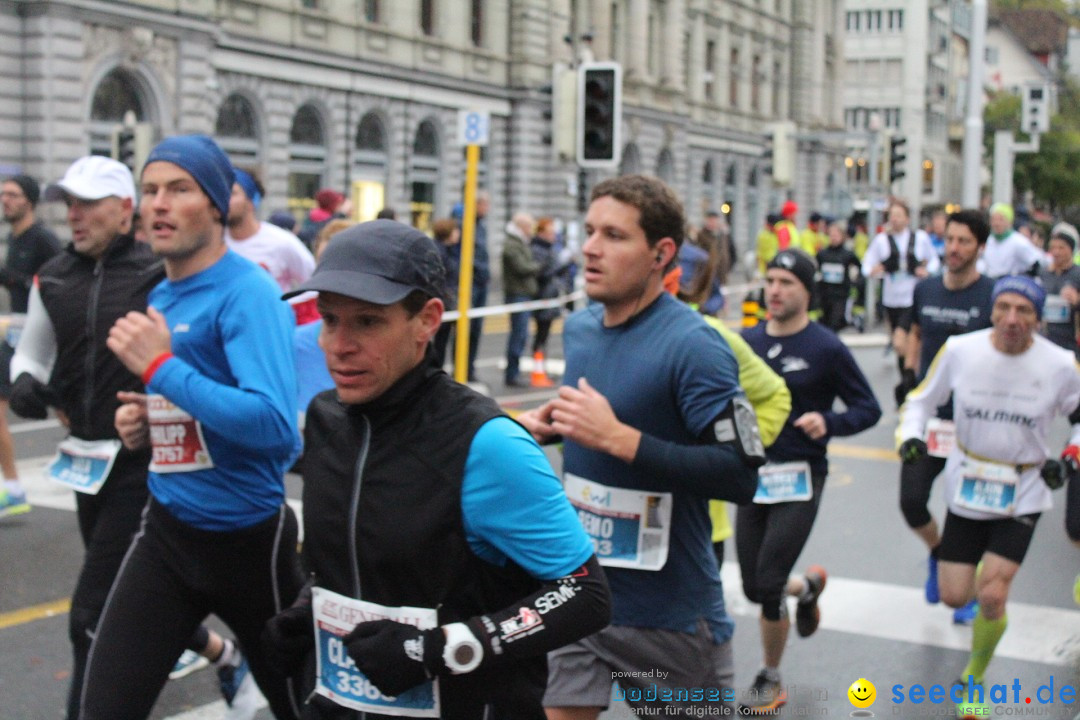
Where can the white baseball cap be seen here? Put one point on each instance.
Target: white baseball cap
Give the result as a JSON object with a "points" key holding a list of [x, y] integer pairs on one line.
{"points": [[92, 178]]}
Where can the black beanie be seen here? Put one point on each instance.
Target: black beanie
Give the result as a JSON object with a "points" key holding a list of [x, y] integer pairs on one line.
{"points": [[29, 186], [798, 264]]}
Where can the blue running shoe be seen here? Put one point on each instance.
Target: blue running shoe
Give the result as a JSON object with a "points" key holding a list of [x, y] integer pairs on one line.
{"points": [[965, 615], [239, 690], [933, 596], [12, 503]]}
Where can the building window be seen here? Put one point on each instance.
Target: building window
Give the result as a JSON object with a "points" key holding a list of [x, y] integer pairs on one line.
{"points": [[307, 155], [854, 21], [755, 84], [424, 178], [116, 94], [896, 20], [928, 176], [631, 160], [371, 11], [310, 4], [652, 53], [709, 76], [477, 23], [733, 83], [427, 17], [777, 85], [617, 40], [992, 55], [665, 167], [237, 131]]}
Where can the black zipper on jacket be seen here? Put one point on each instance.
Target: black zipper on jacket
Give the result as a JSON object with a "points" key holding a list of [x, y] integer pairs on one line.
{"points": [[358, 481], [91, 332]]}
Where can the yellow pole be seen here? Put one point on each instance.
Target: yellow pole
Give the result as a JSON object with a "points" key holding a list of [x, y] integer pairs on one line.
{"points": [[468, 240]]}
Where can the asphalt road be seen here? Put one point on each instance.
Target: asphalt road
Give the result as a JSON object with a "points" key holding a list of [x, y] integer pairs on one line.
{"points": [[875, 623]]}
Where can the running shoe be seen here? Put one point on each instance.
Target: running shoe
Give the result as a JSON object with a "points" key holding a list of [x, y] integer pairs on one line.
{"points": [[964, 708], [13, 503], [764, 696], [188, 662], [933, 595], [239, 690], [965, 615], [807, 612]]}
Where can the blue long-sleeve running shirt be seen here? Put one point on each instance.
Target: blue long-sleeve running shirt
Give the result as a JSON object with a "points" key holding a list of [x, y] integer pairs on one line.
{"points": [[233, 373]]}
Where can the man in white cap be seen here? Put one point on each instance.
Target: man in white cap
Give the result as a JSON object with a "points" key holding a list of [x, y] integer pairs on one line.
{"points": [[61, 361]]}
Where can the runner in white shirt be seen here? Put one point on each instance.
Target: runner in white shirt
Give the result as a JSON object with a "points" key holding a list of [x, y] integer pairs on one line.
{"points": [[902, 255], [1008, 252], [278, 251], [1007, 383]]}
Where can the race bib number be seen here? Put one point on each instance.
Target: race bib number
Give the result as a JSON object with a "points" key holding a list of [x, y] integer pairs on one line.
{"points": [[940, 437], [177, 438], [336, 676], [1056, 310], [84, 465], [784, 482], [832, 273], [987, 487], [628, 528]]}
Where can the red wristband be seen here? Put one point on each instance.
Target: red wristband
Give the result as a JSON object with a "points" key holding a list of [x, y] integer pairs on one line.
{"points": [[152, 368]]}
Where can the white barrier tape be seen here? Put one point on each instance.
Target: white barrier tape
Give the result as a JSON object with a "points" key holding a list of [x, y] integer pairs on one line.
{"points": [[516, 307], [562, 300]]}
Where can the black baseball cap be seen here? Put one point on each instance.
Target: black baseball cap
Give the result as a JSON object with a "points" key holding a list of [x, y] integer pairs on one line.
{"points": [[378, 262]]}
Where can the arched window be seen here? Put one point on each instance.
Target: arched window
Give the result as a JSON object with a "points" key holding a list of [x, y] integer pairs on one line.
{"points": [[631, 160], [371, 166], [237, 130], [665, 166], [307, 153], [708, 187], [117, 93], [424, 176]]}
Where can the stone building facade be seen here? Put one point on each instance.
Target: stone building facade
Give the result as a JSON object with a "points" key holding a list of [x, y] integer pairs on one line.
{"points": [[363, 95]]}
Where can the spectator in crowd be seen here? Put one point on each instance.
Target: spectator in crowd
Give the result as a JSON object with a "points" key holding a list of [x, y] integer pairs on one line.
{"points": [[520, 272], [1061, 280], [387, 213], [328, 204], [283, 219], [552, 262], [447, 234]]}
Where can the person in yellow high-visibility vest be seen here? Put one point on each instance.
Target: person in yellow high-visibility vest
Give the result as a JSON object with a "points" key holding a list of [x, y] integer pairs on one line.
{"points": [[767, 244], [769, 395]]}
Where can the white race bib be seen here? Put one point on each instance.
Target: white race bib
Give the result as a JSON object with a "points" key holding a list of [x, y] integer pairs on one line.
{"points": [[987, 487], [84, 465], [628, 528], [940, 437], [1056, 310], [177, 438], [336, 676], [832, 273], [784, 482]]}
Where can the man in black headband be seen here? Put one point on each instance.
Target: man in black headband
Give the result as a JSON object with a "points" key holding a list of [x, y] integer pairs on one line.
{"points": [[771, 532], [29, 245]]}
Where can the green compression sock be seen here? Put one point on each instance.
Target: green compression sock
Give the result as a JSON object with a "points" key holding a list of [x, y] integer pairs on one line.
{"points": [[984, 638]]}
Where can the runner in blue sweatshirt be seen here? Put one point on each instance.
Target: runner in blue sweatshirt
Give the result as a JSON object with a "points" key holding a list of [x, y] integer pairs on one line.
{"points": [[215, 352]]}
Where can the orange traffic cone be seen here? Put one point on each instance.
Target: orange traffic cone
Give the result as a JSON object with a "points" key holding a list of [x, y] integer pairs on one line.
{"points": [[539, 377]]}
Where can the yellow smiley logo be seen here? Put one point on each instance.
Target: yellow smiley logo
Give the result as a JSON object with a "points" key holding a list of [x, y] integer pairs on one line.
{"points": [[862, 693]]}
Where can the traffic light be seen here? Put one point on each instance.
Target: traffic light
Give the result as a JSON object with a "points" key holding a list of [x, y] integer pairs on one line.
{"points": [[125, 147], [896, 157], [599, 114], [1035, 110], [131, 143]]}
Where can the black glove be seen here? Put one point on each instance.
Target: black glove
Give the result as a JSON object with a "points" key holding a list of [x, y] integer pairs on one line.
{"points": [[290, 635], [394, 656], [912, 450], [30, 398], [907, 384], [1053, 473]]}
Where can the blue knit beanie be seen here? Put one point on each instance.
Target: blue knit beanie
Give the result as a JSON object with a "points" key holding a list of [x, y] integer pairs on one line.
{"points": [[207, 163], [1021, 285], [246, 181]]}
